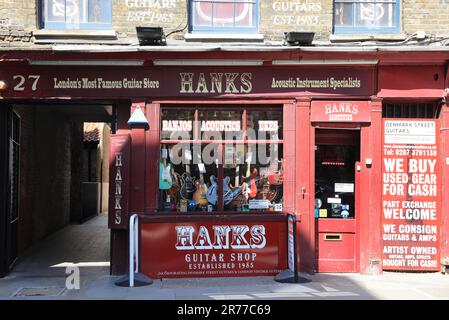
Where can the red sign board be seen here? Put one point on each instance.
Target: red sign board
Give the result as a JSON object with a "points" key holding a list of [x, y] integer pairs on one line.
{"points": [[411, 202], [119, 82], [341, 111], [119, 181], [211, 249]]}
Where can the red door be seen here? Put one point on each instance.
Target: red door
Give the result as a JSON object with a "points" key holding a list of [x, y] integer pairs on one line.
{"points": [[336, 175]]}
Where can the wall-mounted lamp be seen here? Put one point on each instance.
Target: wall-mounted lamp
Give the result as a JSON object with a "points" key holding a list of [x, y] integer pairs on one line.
{"points": [[299, 38], [3, 85], [151, 36]]}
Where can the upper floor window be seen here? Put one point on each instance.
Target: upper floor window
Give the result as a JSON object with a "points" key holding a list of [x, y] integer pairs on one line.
{"points": [[76, 14], [235, 16], [366, 16]]}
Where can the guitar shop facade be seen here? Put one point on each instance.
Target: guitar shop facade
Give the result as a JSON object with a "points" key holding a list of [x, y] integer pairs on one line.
{"points": [[357, 139]]}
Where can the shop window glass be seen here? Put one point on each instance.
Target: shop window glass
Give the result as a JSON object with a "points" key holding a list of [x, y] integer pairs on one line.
{"points": [[334, 166], [177, 124], [366, 16], [336, 153], [217, 168], [239, 16], [264, 124], [76, 14], [222, 125]]}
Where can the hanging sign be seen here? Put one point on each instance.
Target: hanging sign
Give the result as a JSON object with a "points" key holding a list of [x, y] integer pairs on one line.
{"points": [[411, 200], [341, 111], [119, 181], [127, 82]]}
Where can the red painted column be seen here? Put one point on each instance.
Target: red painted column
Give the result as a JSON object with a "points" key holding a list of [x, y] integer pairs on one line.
{"points": [[304, 188], [138, 169], [289, 157], [123, 114], [444, 152], [152, 139], [370, 217]]}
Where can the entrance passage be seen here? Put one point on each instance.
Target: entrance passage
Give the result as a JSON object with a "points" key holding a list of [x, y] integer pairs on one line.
{"points": [[336, 156]]}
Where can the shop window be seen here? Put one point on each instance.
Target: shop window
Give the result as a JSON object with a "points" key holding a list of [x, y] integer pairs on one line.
{"points": [[366, 16], [411, 110], [336, 152], [225, 16], [76, 14], [227, 160]]}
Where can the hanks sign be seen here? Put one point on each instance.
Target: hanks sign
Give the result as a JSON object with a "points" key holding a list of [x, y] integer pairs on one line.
{"points": [[206, 249], [223, 237], [341, 111], [31, 82], [216, 82], [119, 181]]}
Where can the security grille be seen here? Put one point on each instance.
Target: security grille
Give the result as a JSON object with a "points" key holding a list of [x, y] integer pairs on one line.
{"points": [[411, 110]]}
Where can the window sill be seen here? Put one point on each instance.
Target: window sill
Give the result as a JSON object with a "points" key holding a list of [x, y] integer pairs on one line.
{"points": [[217, 37], [75, 34], [365, 37], [155, 217]]}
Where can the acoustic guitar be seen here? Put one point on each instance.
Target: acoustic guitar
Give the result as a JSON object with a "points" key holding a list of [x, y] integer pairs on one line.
{"points": [[251, 179], [276, 175], [212, 192]]}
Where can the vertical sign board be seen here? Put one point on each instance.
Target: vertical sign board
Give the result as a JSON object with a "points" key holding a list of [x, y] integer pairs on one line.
{"points": [[410, 195], [119, 181]]}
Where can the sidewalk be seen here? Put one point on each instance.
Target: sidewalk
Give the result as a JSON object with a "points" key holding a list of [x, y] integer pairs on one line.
{"points": [[41, 275]]}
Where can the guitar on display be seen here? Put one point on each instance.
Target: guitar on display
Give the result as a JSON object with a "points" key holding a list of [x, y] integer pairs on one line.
{"points": [[200, 195], [187, 184]]}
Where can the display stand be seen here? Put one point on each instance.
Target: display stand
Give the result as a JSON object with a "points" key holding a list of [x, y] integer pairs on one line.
{"points": [[291, 275]]}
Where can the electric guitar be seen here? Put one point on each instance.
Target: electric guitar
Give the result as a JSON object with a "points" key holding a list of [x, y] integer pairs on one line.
{"points": [[165, 178], [251, 179], [173, 192], [212, 191], [201, 190], [187, 184], [276, 175]]}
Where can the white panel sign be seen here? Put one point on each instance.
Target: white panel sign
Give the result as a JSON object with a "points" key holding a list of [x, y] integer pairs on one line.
{"points": [[259, 204], [333, 200], [344, 187], [409, 132]]}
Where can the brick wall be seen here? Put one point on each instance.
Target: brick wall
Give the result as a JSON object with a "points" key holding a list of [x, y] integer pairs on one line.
{"points": [[279, 16], [18, 17], [169, 14], [45, 173], [431, 16], [17, 20]]}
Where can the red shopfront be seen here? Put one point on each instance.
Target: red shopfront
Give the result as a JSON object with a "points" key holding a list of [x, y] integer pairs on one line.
{"points": [[229, 151], [242, 230]]}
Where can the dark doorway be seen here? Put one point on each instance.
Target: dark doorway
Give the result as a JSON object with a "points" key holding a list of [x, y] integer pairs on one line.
{"points": [[9, 187]]}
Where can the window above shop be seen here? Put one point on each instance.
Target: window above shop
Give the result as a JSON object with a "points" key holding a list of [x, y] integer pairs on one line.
{"points": [[224, 16], [76, 14], [366, 16]]}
